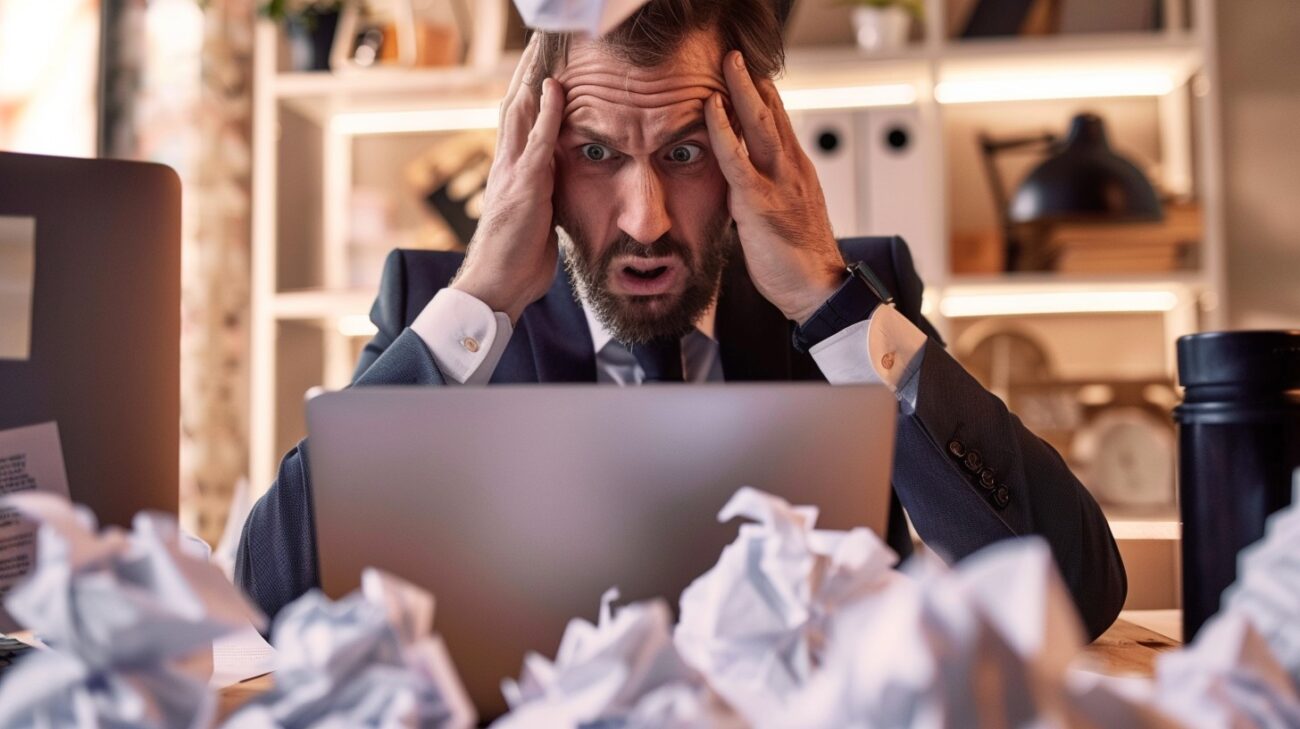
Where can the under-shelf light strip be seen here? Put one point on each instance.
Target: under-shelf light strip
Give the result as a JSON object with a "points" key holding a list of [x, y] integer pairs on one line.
{"points": [[445, 120], [1053, 86], [356, 325], [1056, 302]]}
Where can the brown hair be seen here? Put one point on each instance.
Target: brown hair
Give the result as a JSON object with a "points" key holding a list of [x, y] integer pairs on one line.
{"points": [[650, 36]]}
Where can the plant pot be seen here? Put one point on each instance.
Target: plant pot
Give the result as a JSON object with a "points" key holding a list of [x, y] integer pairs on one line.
{"points": [[881, 29], [311, 37]]}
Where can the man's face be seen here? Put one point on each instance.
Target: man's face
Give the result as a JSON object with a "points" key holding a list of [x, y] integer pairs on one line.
{"points": [[639, 198]]}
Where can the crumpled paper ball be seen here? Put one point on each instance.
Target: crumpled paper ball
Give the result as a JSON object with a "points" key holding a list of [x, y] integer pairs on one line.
{"points": [[1227, 677], [755, 624], [130, 618], [985, 644], [622, 672], [593, 17], [369, 659], [1267, 590]]}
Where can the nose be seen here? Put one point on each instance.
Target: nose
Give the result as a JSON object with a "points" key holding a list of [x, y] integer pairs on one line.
{"points": [[643, 211]]}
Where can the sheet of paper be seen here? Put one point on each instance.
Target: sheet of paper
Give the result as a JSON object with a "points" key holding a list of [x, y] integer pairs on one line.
{"points": [[31, 459], [17, 280], [595, 17], [239, 656]]}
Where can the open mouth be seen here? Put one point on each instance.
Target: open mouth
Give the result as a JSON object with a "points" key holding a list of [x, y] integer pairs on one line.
{"points": [[647, 274]]}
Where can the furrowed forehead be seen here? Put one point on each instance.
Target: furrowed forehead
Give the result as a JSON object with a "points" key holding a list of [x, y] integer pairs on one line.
{"points": [[633, 105]]}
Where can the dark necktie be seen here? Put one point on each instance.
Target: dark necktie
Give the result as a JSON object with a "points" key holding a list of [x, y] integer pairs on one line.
{"points": [[661, 359]]}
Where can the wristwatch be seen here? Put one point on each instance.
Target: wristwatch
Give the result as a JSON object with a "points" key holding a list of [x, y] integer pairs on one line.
{"points": [[852, 302]]}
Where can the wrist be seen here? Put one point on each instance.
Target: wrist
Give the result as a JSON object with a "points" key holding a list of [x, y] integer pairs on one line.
{"points": [[816, 296], [489, 295]]}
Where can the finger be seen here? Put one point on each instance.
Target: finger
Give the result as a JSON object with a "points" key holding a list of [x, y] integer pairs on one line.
{"points": [[772, 98], [735, 164], [522, 77], [518, 122], [756, 119], [541, 140]]}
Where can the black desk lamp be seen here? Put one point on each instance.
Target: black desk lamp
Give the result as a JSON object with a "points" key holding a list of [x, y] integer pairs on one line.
{"points": [[1083, 181]]}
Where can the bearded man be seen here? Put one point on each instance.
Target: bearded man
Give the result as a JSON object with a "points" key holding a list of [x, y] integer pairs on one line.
{"points": [[650, 216]]}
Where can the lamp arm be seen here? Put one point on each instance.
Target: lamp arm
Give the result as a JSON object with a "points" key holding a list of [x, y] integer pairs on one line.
{"points": [[990, 148]]}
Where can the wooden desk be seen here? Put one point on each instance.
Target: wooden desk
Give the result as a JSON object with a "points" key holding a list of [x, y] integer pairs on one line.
{"points": [[1124, 650]]}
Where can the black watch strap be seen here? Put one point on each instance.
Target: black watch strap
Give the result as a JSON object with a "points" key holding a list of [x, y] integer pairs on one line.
{"points": [[853, 302]]}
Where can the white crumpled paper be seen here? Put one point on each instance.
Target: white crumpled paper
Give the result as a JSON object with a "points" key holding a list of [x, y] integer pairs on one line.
{"points": [[1243, 668], [369, 659], [983, 645], [129, 616], [755, 623], [1267, 590], [594, 17], [622, 672]]}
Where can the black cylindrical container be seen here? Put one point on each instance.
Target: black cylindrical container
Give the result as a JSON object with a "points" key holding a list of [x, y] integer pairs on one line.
{"points": [[1239, 441]]}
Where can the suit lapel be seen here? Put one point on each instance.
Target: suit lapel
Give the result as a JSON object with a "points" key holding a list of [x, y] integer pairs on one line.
{"points": [[553, 337], [753, 335]]}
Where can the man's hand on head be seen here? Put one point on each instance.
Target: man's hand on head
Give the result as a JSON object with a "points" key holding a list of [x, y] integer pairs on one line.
{"points": [[512, 258], [774, 196]]}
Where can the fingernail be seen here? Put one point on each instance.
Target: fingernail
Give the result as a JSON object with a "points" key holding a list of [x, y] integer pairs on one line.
{"points": [[717, 100], [738, 61]]}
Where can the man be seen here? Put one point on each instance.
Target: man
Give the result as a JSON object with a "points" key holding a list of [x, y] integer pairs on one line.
{"points": [[657, 172]]}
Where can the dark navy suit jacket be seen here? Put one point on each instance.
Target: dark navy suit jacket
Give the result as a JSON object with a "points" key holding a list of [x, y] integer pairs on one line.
{"points": [[960, 439]]}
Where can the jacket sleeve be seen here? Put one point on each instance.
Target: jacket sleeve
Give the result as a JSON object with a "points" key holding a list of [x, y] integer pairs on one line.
{"points": [[276, 561], [970, 473]]}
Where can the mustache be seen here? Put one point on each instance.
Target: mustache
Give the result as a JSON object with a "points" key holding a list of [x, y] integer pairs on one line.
{"points": [[664, 246]]}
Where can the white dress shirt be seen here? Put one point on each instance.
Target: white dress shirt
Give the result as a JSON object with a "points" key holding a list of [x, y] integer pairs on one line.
{"points": [[467, 339]]}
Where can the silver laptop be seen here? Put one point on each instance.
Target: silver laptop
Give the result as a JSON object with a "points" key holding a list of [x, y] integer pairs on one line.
{"points": [[517, 506], [104, 324]]}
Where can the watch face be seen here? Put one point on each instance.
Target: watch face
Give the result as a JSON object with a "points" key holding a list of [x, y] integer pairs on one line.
{"points": [[1129, 458]]}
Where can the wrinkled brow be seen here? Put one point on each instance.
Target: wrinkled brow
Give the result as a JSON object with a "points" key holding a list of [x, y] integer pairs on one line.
{"points": [[672, 137]]}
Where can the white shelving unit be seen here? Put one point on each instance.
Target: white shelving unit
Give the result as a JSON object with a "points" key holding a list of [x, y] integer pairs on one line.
{"points": [[932, 76]]}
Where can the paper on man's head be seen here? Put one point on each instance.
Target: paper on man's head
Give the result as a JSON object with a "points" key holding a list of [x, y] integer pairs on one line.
{"points": [[593, 17]]}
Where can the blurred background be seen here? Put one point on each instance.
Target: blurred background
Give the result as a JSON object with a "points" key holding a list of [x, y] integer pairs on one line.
{"points": [[1080, 182]]}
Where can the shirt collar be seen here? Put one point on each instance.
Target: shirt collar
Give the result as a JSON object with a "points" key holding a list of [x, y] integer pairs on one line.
{"points": [[600, 336]]}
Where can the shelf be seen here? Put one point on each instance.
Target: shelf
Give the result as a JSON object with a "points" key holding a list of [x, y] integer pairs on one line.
{"points": [[1042, 294], [1134, 529], [322, 304], [391, 100]]}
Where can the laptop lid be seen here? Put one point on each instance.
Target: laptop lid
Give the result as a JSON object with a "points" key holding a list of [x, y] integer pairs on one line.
{"points": [[104, 321], [517, 506]]}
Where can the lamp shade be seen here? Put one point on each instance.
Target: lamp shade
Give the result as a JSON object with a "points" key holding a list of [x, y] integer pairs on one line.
{"points": [[1085, 182]]}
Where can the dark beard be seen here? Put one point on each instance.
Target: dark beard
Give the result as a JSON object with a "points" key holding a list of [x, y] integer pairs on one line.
{"points": [[635, 319]]}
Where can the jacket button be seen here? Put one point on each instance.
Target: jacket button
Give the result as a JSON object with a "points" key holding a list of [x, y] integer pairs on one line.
{"points": [[1002, 497], [986, 477], [973, 461], [956, 448]]}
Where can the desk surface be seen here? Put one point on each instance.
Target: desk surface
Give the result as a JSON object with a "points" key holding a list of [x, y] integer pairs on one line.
{"points": [[1127, 649]]}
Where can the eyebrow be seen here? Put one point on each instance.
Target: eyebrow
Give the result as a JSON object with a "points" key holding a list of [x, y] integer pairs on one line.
{"points": [[676, 136]]}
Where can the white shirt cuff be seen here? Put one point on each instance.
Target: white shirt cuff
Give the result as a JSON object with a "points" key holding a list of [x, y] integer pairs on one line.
{"points": [[465, 337], [884, 349]]}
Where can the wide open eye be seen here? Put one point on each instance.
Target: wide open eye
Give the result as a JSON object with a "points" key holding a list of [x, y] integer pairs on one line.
{"points": [[685, 153], [596, 152]]}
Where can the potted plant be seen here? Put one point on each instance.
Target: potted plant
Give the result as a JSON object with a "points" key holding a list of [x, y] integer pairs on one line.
{"points": [[883, 25], [309, 26]]}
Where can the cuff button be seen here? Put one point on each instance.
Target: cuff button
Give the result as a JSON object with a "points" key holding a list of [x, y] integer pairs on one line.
{"points": [[470, 344], [973, 461], [986, 477], [1002, 497], [956, 448]]}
